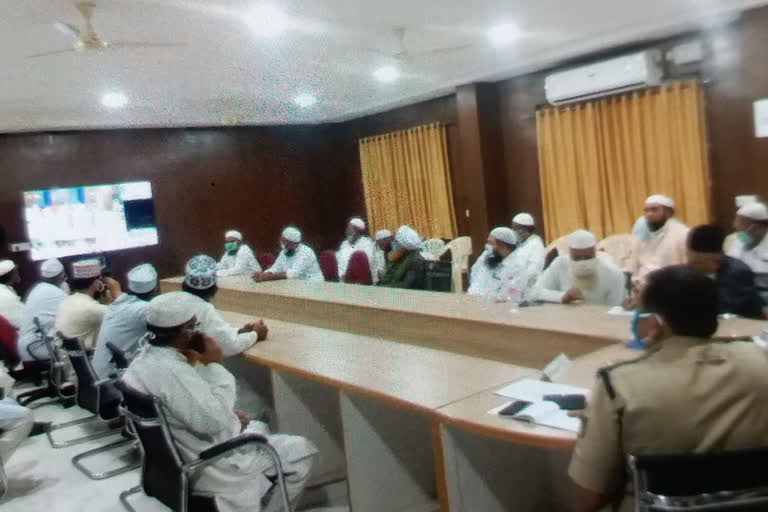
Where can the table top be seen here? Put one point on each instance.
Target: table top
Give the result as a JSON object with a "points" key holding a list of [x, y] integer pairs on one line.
{"points": [[406, 375]]}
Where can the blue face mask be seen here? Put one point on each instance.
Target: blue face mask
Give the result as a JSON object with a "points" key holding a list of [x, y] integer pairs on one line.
{"points": [[636, 341], [745, 238]]}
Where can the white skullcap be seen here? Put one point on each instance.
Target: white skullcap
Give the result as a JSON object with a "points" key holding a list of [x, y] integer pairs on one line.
{"points": [[358, 223], [200, 273], [408, 238], [506, 235], [660, 200], [581, 239], [382, 234], [523, 219], [51, 268], [86, 269], [754, 211], [233, 233], [6, 266], [170, 310], [292, 234], [142, 279]]}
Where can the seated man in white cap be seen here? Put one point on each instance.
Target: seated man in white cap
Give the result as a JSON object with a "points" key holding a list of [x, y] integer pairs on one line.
{"points": [[80, 314], [751, 244], [125, 322], [383, 248], [182, 368], [11, 306], [407, 268], [581, 276], [200, 285], [356, 240], [42, 302], [296, 261], [238, 258], [497, 272], [530, 248], [664, 243]]}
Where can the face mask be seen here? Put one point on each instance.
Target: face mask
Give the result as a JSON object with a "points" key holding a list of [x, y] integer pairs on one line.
{"points": [[488, 248], [641, 230], [712, 276], [230, 247], [65, 286], [745, 238], [100, 286], [637, 340], [585, 268]]}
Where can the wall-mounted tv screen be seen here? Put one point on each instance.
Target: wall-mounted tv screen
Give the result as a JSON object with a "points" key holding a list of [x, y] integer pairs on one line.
{"points": [[86, 220]]}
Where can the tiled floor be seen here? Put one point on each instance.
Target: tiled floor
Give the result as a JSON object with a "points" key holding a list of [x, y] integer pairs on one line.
{"points": [[43, 479]]}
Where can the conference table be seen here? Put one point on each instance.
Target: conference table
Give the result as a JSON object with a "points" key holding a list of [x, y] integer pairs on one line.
{"points": [[403, 418]]}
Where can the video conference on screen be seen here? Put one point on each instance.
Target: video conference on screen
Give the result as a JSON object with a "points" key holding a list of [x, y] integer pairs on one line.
{"points": [[93, 219]]}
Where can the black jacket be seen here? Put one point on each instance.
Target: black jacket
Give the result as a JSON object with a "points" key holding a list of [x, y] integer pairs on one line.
{"points": [[736, 290]]}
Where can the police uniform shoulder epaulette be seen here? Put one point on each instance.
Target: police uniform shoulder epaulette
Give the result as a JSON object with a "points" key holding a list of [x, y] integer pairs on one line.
{"points": [[604, 373]]}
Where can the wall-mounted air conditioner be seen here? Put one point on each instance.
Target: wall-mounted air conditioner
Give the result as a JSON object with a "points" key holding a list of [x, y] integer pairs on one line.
{"points": [[606, 77]]}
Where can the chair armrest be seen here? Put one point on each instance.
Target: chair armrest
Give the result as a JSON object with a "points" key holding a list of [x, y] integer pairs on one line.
{"points": [[231, 444]]}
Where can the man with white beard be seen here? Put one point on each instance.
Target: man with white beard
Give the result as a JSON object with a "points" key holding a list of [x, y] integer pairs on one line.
{"points": [[581, 276]]}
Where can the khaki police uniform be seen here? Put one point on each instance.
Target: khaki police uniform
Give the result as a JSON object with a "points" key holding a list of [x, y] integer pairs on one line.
{"points": [[690, 395]]}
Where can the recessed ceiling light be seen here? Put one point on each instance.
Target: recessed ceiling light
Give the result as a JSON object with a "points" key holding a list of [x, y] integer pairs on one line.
{"points": [[114, 100], [305, 100], [387, 74], [504, 34], [267, 20]]}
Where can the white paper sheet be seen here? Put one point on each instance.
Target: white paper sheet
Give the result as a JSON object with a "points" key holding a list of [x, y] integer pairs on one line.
{"points": [[534, 390]]}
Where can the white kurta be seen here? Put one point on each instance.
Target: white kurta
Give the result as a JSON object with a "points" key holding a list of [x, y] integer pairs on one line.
{"points": [[530, 255], [125, 323], [43, 302], [301, 265], [11, 306], [80, 316], [363, 244], [757, 259], [199, 403], [241, 263], [664, 248], [214, 325], [610, 289], [379, 263], [498, 282]]}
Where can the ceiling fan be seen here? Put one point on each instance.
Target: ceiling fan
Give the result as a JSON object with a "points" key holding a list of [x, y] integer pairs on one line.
{"points": [[404, 55], [87, 39]]}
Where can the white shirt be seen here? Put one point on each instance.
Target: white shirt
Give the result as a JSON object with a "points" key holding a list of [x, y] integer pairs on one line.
{"points": [[301, 265], [378, 264], [497, 282], [80, 316], [756, 257], [11, 306], [363, 244], [241, 263], [212, 324], [664, 247], [43, 302], [124, 324], [530, 256], [199, 403], [610, 289]]}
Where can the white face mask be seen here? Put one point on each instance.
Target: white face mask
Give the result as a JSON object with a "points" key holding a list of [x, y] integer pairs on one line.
{"points": [[100, 286], [584, 268], [65, 286], [488, 248]]}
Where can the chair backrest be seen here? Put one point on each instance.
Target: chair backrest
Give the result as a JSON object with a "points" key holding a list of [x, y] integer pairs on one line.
{"points": [[162, 475], [8, 341], [88, 392], [618, 247], [461, 250], [118, 356], [358, 269], [329, 266], [266, 260], [701, 479], [561, 244], [432, 249]]}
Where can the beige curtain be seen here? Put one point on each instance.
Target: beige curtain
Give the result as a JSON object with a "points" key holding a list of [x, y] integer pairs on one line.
{"points": [[406, 180], [600, 159]]}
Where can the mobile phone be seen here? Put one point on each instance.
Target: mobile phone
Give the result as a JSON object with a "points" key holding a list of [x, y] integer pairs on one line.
{"points": [[514, 408], [573, 402]]}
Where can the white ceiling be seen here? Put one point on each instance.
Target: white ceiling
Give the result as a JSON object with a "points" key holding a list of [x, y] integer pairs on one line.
{"points": [[229, 72]]}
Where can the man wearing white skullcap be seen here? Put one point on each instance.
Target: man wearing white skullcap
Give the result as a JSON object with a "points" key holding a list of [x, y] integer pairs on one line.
{"points": [[238, 258], [407, 268], [660, 244], [11, 306], [125, 322], [200, 285], [580, 276], [497, 274], [751, 244], [381, 252], [42, 302], [530, 250], [182, 367], [80, 314], [296, 260], [356, 240]]}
